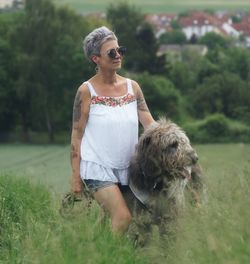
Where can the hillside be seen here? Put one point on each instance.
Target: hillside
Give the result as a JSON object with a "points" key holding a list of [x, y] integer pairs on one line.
{"points": [[158, 6]]}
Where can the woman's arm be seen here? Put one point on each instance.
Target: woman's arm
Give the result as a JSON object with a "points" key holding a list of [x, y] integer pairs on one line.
{"points": [[144, 114], [80, 117]]}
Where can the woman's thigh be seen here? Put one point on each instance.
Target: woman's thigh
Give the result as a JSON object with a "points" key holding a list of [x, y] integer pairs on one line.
{"points": [[111, 200]]}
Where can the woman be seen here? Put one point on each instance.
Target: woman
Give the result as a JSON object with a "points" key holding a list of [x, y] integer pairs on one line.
{"points": [[105, 127]]}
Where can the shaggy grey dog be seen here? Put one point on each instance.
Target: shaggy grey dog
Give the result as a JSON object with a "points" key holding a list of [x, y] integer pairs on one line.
{"points": [[163, 168]]}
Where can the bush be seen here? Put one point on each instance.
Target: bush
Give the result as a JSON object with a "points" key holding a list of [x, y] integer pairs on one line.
{"points": [[217, 128], [240, 134]]}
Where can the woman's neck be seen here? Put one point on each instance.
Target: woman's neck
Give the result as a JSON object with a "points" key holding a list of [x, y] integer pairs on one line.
{"points": [[107, 77]]}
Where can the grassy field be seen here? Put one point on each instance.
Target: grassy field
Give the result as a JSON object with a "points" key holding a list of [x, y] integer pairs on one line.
{"points": [[32, 231], [50, 165], [149, 6], [46, 164]]}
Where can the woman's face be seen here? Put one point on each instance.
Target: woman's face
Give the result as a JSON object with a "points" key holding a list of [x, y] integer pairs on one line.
{"points": [[109, 56]]}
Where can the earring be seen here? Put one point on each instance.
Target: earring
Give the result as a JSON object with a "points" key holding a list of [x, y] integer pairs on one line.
{"points": [[96, 69]]}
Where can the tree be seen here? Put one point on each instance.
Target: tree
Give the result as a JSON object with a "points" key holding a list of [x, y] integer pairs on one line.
{"points": [[175, 24], [193, 39], [173, 37], [137, 36], [212, 40], [224, 93], [146, 56], [8, 99], [206, 69], [36, 37], [182, 77], [117, 16], [237, 60], [161, 96], [190, 70], [49, 46]]}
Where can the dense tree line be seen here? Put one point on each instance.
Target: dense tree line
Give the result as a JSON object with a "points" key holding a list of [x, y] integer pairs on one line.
{"points": [[42, 64]]}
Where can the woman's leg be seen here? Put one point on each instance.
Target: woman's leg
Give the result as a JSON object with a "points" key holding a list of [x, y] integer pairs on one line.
{"points": [[112, 201]]}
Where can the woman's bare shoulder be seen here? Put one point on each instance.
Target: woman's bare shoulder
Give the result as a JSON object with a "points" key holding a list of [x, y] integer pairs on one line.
{"points": [[136, 87], [84, 90]]}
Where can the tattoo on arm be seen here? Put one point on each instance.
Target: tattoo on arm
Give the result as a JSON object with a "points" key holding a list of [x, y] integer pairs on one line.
{"points": [[77, 107], [73, 153], [79, 133], [141, 103]]}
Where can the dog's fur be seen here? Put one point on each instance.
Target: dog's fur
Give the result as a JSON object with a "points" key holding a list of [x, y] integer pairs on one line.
{"points": [[163, 167]]}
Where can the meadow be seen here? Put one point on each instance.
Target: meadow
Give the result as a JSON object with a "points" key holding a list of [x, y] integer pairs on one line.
{"points": [[33, 179], [148, 6]]}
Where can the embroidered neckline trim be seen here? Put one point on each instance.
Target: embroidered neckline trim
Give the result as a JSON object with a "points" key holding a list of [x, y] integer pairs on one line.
{"points": [[113, 101]]}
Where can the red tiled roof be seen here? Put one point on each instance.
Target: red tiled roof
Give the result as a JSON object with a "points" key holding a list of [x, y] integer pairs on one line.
{"points": [[243, 26], [224, 19], [246, 19], [160, 19], [199, 19]]}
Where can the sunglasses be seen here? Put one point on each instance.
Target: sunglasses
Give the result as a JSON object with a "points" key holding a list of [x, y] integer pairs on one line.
{"points": [[112, 53]]}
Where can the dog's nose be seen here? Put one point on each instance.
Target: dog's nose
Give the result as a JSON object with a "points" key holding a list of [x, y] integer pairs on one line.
{"points": [[194, 157]]}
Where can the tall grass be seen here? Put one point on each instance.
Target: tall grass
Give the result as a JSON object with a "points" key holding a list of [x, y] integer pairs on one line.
{"points": [[21, 206], [32, 230], [218, 231]]}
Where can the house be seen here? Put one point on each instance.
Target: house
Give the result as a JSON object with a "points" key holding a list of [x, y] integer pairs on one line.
{"points": [[8, 4], [195, 24], [161, 23], [244, 29], [230, 30], [200, 23]]}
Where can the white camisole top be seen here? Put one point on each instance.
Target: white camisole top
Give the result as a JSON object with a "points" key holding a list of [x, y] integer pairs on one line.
{"points": [[111, 133]]}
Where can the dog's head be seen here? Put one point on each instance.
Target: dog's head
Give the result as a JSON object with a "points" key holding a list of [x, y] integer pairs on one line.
{"points": [[164, 150]]}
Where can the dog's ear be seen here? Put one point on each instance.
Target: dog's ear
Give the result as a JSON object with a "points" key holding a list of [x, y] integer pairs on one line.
{"points": [[172, 148]]}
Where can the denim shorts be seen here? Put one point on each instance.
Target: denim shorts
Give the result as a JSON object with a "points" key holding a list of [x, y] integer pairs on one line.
{"points": [[95, 185]]}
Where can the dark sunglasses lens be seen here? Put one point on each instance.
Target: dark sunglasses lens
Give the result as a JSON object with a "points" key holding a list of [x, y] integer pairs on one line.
{"points": [[121, 51], [112, 53]]}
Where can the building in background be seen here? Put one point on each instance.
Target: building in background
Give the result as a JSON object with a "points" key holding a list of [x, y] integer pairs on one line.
{"points": [[161, 23], [11, 4], [243, 27], [6, 3], [196, 24]]}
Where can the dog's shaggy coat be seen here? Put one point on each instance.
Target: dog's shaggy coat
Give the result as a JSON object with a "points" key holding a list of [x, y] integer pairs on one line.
{"points": [[163, 168]]}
